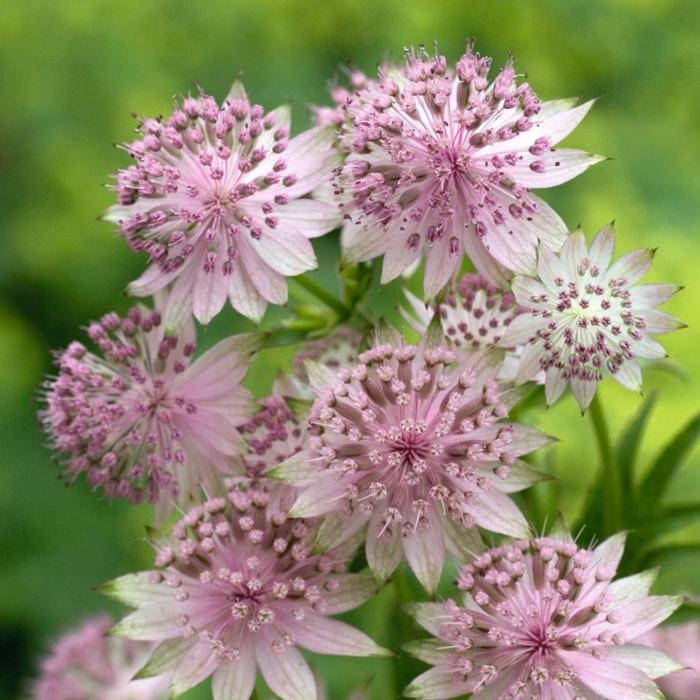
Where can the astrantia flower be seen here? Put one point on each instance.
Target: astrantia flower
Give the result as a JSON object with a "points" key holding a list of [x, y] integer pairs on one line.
{"points": [[586, 318], [442, 165], [682, 643], [217, 200], [139, 418], [237, 587], [474, 315], [343, 99], [419, 448], [543, 619], [87, 664]]}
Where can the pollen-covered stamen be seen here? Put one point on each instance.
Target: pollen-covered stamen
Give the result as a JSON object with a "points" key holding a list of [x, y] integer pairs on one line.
{"points": [[239, 565], [408, 436], [116, 416]]}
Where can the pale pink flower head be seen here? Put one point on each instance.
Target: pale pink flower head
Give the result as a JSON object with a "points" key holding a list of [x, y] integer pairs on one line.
{"points": [[419, 448], [586, 318], [237, 587], [217, 199], [87, 664], [442, 165], [139, 417], [544, 619], [682, 643]]}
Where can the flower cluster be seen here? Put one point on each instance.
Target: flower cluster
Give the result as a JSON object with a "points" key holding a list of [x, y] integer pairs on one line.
{"points": [[442, 165], [544, 619], [217, 200], [408, 449], [237, 586]]}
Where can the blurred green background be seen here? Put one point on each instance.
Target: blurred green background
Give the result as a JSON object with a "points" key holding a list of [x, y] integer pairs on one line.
{"points": [[72, 74]]}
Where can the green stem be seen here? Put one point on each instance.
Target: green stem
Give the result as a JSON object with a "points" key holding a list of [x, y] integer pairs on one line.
{"points": [[323, 295], [612, 492]]}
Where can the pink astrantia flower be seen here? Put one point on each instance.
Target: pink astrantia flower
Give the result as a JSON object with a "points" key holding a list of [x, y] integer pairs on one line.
{"points": [[419, 448], [682, 643], [474, 315], [139, 418], [87, 664], [543, 619], [442, 165], [236, 588], [586, 318], [343, 98], [216, 198]]}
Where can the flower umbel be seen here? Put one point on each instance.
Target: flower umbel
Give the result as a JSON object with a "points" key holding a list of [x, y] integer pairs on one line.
{"points": [[418, 447], [237, 587], [586, 318], [217, 200], [443, 163], [140, 419], [544, 619], [87, 664]]}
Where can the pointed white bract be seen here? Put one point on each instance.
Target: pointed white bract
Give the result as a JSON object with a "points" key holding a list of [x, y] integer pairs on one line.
{"points": [[419, 448], [586, 318], [236, 588], [441, 166], [217, 198], [539, 619]]}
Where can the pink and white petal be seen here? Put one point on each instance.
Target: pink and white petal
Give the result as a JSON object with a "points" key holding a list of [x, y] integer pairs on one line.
{"points": [[482, 259], [322, 497], [461, 542], [398, 255], [631, 267], [521, 329], [629, 375], [608, 553], [237, 91], [209, 295], [179, 304], [560, 165], [288, 252], [310, 217], [324, 635], [554, 385], [244, 296], [235, 680], [430, 651], [525, 288], [338, 528], [632, 587], [151, 281], [361, 242], [549, 268], [526, 439], [513, 245], [572, 253], [437, 683], [494, 511], [220, 368], [198, 663], [383, 552], [165, 657], [422, 314], [641, 615], [425, 552], [121, 212], [530, 362], [548, 225], [602, 247], [297, 471], [583, 391], [520, 476], [353, 591], [611, 679], [660, 322], [441, 263], [271, 285], [151, 622], [651, 662], [286, 672], [651, 295], [648, 348]]}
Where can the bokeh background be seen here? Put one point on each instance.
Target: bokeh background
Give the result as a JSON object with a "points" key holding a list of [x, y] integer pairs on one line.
{"points": [[72, 74]]}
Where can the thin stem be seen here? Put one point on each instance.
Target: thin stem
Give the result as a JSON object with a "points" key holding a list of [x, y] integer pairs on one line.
{"points": [[612, 491], [323, 295]]}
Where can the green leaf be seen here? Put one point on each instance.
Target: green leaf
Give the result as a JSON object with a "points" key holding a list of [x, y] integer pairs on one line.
{"points": [[627, 446], [670, 519], [668, 551], [667, 463]]}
